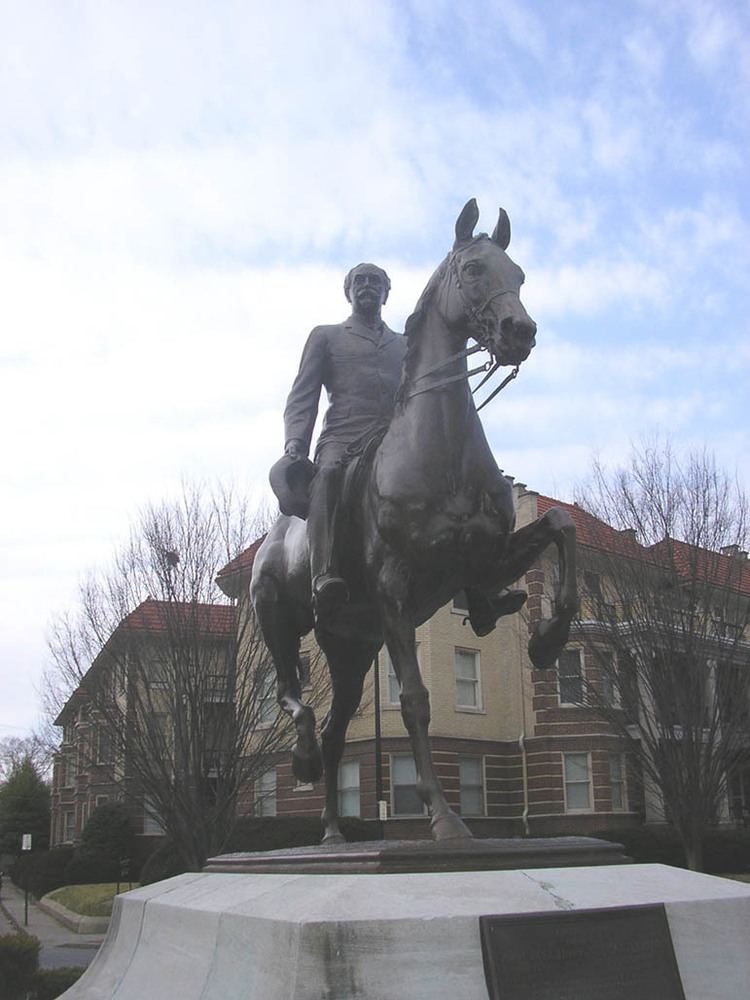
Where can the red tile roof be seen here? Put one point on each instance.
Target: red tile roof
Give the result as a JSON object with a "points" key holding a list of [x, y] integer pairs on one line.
{"points": [[159, 616], [597, 534], [235, 576]]}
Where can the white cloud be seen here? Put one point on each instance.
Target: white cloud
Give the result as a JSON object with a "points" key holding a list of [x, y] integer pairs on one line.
{"points": [[180, 196]]}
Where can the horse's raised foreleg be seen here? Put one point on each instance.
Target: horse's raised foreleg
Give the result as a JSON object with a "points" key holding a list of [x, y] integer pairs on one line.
{"points": [[525, 546], [348, 663], [415, 710], [281, 634]]}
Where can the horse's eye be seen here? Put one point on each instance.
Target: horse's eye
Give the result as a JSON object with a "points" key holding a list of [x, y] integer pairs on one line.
{"points": [[473, 269]]}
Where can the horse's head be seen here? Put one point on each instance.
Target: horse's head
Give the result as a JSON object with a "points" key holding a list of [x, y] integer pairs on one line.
{"points": [[482, 290]]}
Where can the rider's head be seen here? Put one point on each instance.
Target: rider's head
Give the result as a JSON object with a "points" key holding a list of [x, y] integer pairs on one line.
{"points": [[366, 280]]}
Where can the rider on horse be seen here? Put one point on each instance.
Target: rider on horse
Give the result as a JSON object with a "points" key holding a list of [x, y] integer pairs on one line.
{"points": [[359, 362]]}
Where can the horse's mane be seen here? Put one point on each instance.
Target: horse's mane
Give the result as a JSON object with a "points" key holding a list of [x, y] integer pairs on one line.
{"points": [[414, 325]]}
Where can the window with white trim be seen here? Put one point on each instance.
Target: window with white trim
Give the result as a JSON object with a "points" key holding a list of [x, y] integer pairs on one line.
{"points": [[618, 782], [577, 775], [405, 798], [570, 677], [610, 683], [393, 688], [471, 786], [265, 793], [468, 685], [349, 788], [266, 696], [69, 770], [69, 827]]}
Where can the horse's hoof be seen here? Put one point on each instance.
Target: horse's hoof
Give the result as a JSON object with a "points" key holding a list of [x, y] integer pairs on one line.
{"points": [[547, 642], [334, 838], [450, 827], [307, 765]]}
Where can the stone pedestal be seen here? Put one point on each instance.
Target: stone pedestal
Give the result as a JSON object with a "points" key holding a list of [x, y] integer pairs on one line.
{"points": [[287, 936]]}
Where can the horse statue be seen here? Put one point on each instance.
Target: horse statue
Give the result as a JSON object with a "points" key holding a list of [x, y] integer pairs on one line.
{"points": [[429, 515]]}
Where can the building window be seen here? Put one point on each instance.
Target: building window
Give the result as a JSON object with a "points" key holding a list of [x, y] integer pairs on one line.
{"points": [[69, 827], [577, 769], [152, 824], [570, 677], [460, 603], [265, 794], [69, 770], [406, 800], [393, 688], [468, 689], [349, 788], [617, 774], [267, 703], [592, 584], [610, 686], [104, 747], [471, 784]]}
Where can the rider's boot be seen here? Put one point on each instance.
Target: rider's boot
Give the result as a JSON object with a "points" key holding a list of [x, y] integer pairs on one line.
{"points": [[329, 589], [485, 610]]}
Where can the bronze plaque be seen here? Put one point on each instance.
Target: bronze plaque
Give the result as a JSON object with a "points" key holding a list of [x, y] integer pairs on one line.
{"points": [[616, 953]]}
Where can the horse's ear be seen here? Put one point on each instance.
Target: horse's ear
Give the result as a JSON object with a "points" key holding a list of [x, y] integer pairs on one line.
{"points": [[501, 235], [466, 221]]}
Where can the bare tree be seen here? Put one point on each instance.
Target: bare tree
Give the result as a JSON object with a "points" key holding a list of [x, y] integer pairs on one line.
{"points": [[34, 748], [172, 678], [666, 587]]}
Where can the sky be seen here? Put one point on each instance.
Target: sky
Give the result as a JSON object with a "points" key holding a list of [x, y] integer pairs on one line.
{"points": [[184, 185]]}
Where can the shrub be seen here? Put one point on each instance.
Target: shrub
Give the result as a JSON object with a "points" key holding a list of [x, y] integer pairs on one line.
{"points": [[48, 984], [270, 833], [87, 867], [724, 850], [108, 832], [45, 869], [164, 862], [19, 960], [649, 844], [727, 851]]}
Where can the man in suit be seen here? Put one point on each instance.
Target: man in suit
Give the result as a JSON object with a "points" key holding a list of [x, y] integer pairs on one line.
{"points": [[359, 364]]}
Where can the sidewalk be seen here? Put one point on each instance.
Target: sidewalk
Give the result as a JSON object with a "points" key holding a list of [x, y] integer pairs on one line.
{"points": [[60, 946]]}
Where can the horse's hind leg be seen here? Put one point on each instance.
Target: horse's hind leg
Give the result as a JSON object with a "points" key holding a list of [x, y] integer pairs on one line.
{"points": [[348, 663], [281, 634]]}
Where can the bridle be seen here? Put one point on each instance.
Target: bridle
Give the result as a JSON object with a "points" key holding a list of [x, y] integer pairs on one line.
{"points": [[479, 328]]}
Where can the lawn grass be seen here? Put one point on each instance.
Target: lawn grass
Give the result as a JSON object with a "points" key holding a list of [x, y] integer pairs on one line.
{"points": [[88, 900]]}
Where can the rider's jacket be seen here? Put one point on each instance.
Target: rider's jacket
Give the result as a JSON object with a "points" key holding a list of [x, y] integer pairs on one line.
{"points": [[361, 371]]}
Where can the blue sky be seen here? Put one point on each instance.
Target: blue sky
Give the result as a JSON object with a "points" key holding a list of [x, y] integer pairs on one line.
{"points": [[183, 186]]}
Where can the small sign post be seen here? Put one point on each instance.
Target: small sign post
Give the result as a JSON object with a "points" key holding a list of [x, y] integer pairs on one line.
{"points": [[26, 846]]}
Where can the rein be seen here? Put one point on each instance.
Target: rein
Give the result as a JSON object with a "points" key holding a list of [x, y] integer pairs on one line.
{"points": [[479, 328]]}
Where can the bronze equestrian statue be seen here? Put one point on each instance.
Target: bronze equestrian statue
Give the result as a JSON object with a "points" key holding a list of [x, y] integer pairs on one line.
{"points": [[407, 505]]}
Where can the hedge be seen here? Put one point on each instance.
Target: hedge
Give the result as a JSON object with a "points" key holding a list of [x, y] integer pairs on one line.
{"points": [[725, 851], [271, 833], [19, 960], [45, 870], [48, 984], [255, 833]]}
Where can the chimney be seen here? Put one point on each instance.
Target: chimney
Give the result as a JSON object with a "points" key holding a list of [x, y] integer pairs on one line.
{"points": [[732, 551]]}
